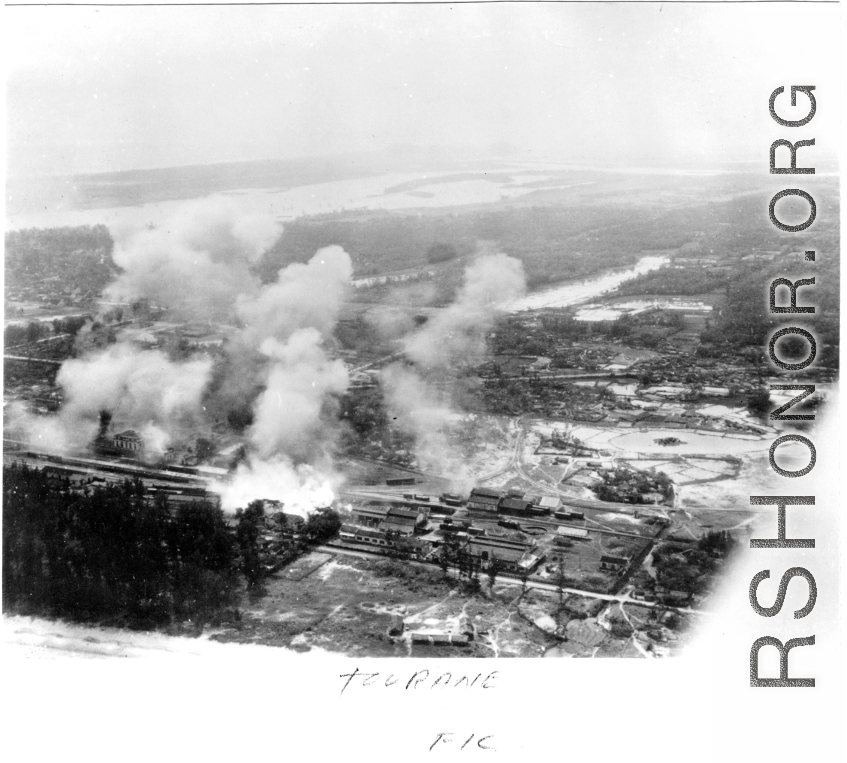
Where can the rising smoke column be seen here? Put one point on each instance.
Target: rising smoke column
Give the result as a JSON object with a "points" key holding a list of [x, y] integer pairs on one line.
{"points": [[198, 264], [419, 408], [454, 336], [289, 414], [140, 389], [302, 296], [294, 426], [458, 332], [195, 263]]}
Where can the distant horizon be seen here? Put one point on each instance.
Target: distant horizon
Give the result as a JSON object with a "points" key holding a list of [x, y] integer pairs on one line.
{"points": [[93, 91], [825, 163]]}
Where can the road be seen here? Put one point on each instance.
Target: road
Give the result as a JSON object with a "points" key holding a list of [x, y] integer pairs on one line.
{"points": [[33, 360], [377, 362], [523, 423], [621, 598], [44, 340]]}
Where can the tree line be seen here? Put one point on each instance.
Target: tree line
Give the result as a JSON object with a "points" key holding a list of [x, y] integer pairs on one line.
{"points": [[111, 555]]}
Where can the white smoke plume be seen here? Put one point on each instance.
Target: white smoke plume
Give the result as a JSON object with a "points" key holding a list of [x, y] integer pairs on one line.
{"points": [[294, 424], [303, 296], [302, 488], [197, 262], [46, 433], [388, 322], [141, 389], [289, 414], [458, 332], [155, 439], [421, 410], [453, 336]]}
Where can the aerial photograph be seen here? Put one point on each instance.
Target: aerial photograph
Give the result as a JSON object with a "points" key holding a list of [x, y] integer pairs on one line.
{"points": [[400, 331]]}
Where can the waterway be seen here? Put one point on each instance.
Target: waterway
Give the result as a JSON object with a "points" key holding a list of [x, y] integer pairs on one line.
{"points": [[612, 312], [285, 204], [584, 290]]}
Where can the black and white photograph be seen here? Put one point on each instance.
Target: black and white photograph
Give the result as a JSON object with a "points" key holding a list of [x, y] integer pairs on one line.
{"points": [[424, 331]]}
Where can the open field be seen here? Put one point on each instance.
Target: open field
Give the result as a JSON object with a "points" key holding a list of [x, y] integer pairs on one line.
{"points": [[349, 604]]}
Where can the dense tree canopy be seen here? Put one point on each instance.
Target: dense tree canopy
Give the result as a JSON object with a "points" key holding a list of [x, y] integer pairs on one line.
{"points": [[109, 554]]}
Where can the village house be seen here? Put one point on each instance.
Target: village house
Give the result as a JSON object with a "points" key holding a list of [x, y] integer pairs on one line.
{"points": [[613, 563]]}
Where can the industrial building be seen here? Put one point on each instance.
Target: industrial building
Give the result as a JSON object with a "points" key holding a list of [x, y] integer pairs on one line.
{"points": [[401, 520], [128, 440], [404, 521], [572, 532], [484, 499], [548, 503], [368, 516], [512, 555], [514, 505]]}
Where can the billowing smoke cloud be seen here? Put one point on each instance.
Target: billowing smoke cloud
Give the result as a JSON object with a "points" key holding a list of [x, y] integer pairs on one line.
{"points": [[303, 296], [290, 412], [302, 487], [389, 323], [421, 410], [141, 389], [294, 422], [458, 332], [454, 336], [197, 262]]}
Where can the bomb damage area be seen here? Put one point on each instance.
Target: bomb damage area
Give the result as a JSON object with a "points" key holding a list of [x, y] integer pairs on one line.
{"points": [[522, 428]]}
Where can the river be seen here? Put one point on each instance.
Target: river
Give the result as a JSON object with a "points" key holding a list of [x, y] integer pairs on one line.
{"points": [[584, 290], [383, 192]]}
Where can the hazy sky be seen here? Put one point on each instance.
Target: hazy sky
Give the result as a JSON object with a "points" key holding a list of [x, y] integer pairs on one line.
{"points": [[97, 89]]}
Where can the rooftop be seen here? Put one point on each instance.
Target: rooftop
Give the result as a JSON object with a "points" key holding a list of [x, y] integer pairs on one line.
{"points": [[370, 511], [548, 501], [517, 504], [573, 532], [397, 512], [485, 492], [614, 559], [129, 434]]}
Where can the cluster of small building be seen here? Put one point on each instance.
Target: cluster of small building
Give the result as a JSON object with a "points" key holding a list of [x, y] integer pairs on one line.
{"points": [[280, 536], [410, 530], [518, 503], [414, 531], [390, 527]]}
